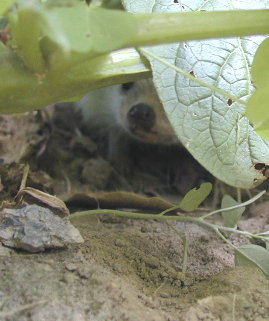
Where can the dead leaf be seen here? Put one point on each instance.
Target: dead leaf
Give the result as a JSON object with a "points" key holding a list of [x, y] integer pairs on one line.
{"points": [[34, 196], [127, 200]]}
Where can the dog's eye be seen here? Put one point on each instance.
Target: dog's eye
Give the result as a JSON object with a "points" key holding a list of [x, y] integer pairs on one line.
{"points": [[127, 86]]}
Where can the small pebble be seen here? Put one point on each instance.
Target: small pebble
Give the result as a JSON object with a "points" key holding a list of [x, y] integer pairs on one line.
{"points": [[164, 295], [145, 229], [71, 267], [119, 243]]}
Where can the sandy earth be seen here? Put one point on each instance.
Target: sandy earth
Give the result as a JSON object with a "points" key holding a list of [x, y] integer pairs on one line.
{"points": [[126, 269]]}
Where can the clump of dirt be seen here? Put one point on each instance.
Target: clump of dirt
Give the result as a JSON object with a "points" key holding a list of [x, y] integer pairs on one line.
{"points": [[126, 270]]}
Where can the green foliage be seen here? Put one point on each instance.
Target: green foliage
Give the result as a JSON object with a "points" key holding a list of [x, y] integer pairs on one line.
{"points": [[231, 217], [27, 30], [69, 36], [63, 52], [258, 71], [5, 4], [253, 255], [195, 197], [210, 122], [3, 22], [62, 35], [258, 105], [62, 49]]}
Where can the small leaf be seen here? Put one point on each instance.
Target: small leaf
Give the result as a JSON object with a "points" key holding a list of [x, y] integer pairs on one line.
{"points": [[195, 197], [233, 216], [253, 255], [259, 73]]}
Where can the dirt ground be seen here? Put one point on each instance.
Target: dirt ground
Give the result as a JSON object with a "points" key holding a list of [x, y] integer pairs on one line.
{"points": [[126, 270]]}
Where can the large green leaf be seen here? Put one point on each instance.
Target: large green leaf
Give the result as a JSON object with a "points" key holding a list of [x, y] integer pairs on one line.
{"points": [[27, 25], [60, 53], [211, 126], [61, 49], [57, 36], [22, 90]]}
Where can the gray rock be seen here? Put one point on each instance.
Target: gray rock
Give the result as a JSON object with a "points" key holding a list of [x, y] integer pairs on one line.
{"points": [[34, 229]]}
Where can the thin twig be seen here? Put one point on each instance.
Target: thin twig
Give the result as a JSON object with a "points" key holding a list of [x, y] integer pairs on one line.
{"points": [[24, 176], [22, 308]]}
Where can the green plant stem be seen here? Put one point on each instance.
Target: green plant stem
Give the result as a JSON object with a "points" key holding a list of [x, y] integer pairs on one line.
{"points": [[156, 28], [198, 220], [24, 176], [174, 208], [181, 218], [252, 200], [216, 229], [224, 238], [245, 233], [24, 92], [133, 215]]}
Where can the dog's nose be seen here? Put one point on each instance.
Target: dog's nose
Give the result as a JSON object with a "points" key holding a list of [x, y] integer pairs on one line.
{"points": [[142, 116]]}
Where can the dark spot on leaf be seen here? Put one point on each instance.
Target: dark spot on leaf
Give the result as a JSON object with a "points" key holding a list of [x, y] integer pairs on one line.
{"points": [[263, 168], [175, 1], [182, 7], [88, 35], [259, 166], [229, 102], [259, 242], [192, 73]]}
